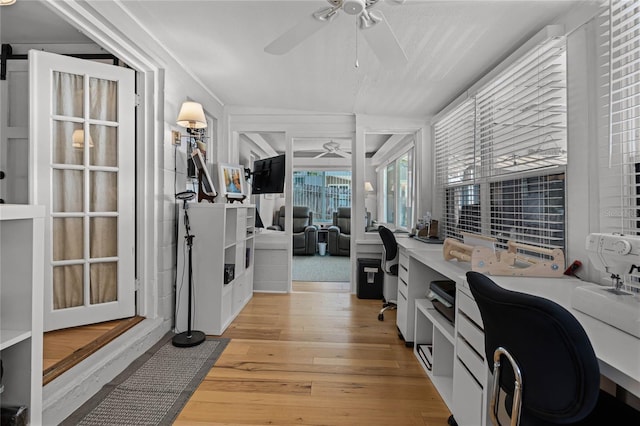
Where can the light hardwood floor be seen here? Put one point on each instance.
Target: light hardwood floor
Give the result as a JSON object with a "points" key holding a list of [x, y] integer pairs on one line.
{"points": [[62, 349], [310, 358], [317, 356]]}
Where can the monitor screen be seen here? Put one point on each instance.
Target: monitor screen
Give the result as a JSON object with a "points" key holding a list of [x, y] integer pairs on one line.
{"points": [[268, 175], [207, 183]]}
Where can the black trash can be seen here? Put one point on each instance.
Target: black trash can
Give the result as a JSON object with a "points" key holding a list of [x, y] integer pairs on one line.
{"points": [[370, 278]]}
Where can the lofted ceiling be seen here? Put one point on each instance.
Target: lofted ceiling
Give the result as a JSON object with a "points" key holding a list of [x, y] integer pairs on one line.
{"points": [[449, 45]]}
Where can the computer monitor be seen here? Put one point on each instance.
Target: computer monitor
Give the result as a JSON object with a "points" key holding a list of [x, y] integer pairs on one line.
{"points": [[268, 175], [207, 183]]}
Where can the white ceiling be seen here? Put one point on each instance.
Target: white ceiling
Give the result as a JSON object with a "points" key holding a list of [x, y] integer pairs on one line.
{"points": [[449, 45]]}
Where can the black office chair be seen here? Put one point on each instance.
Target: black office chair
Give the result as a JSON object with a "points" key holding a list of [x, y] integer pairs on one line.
{"points": [[554, 376], [390, 268]]}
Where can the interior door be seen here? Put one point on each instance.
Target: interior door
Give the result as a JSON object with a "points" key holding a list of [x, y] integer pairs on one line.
{"points": [[14, 134], [82, 151]]}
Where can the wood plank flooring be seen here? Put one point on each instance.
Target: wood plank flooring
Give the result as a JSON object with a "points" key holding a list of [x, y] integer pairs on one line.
{"points": [[314, 358], [62, 349]]}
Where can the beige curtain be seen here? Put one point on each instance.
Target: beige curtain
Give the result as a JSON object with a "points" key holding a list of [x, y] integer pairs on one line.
{"points": [[75, 209]]}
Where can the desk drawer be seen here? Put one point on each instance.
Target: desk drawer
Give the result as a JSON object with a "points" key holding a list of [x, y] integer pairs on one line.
{"points": [[403, 288], [474, 363], [403, 258], [471, 333], [403, 271], [467, 397], [401, 316], [469, 307]]}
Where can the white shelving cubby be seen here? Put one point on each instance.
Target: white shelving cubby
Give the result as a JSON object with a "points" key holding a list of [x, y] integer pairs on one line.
{"points": [[431, 328], [223, 237], [21, 306]]}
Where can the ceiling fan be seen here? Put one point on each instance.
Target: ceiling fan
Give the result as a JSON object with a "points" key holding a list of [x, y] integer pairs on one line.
{"points": [[372, 23], [332, 147]]}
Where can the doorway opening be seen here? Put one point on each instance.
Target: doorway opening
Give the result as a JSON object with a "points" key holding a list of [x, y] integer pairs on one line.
{"points": [[327, 195]]}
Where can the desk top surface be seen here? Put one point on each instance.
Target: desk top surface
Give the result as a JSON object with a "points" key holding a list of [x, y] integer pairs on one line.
{"points": [[617, 351]]}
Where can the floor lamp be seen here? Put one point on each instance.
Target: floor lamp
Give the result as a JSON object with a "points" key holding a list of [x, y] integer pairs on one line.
{"points": [[190, 337]]}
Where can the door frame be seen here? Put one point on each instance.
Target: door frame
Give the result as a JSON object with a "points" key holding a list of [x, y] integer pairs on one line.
{"points": [[149, 123]]}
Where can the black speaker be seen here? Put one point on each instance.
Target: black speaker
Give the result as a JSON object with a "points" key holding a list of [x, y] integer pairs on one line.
{"points": [[229, 271]]}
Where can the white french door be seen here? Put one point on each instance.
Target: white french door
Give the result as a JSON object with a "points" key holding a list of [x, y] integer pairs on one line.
{"points": [[82, 142]]}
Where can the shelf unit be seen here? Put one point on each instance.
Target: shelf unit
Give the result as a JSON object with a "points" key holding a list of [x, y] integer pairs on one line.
{"points": [[223, 237], [413, 283], [21, 306], [431, 328]]}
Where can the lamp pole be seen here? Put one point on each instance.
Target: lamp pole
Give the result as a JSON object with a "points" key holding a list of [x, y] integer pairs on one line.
{"points": [[190, 337]]}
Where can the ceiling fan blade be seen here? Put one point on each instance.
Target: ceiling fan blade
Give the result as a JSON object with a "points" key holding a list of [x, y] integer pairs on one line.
{"points": [[296, 35], [322, 154], [383, 42]]}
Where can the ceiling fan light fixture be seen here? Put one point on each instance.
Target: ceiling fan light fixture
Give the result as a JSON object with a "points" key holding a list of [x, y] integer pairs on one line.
{"points": [[368, 19], [353, 7], [7, 2]]}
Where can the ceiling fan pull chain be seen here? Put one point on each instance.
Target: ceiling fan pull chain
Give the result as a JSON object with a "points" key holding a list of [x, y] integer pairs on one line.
{"points": [[356, 27]]}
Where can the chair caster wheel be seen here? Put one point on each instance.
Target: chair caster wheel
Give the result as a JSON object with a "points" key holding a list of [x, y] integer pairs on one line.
{"points": [[451, 421], [380, 317]]}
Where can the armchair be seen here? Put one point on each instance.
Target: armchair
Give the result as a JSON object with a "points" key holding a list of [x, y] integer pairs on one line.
{"points": [[339, 239], [304, 233]]}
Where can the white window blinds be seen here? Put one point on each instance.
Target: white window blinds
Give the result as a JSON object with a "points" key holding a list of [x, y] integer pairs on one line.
{"points": [[522, 113], [455, 145], [456, 163], [620, 158], [508, 141]]}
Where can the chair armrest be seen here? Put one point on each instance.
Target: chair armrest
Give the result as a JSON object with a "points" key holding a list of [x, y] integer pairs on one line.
{"points": [[275, 227]]}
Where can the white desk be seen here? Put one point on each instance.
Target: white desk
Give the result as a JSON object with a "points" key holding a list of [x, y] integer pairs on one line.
{"points": [[618, 352], [271, 261]]}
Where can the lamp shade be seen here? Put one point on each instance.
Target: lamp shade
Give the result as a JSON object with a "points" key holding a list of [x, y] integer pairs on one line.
{"points": [[78, 139], [7, 2], [368, 187], [192, 116]]}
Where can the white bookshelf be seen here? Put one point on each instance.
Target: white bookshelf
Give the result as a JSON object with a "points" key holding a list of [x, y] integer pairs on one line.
{"points": [[432, 328], [223, 235], [21, 298]]}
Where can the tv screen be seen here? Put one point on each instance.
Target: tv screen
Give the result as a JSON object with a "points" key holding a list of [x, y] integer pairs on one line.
{"points": [[268, 175]]}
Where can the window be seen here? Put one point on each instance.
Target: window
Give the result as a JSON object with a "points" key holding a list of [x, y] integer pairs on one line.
{"points": [[456, 170], [529, 210], [620, 153], [500, 154], [397, 184], [322, 191]]}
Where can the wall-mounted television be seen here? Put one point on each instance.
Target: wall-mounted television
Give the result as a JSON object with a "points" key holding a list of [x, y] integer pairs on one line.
{"points": [[268, 175]]}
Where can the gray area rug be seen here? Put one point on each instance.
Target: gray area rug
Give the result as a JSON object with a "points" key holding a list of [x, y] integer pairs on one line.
{"points": [[321, 268], [153, 389]]}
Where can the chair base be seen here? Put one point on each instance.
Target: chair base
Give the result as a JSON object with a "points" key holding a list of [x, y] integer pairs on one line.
{"points": [[386, 306]]}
